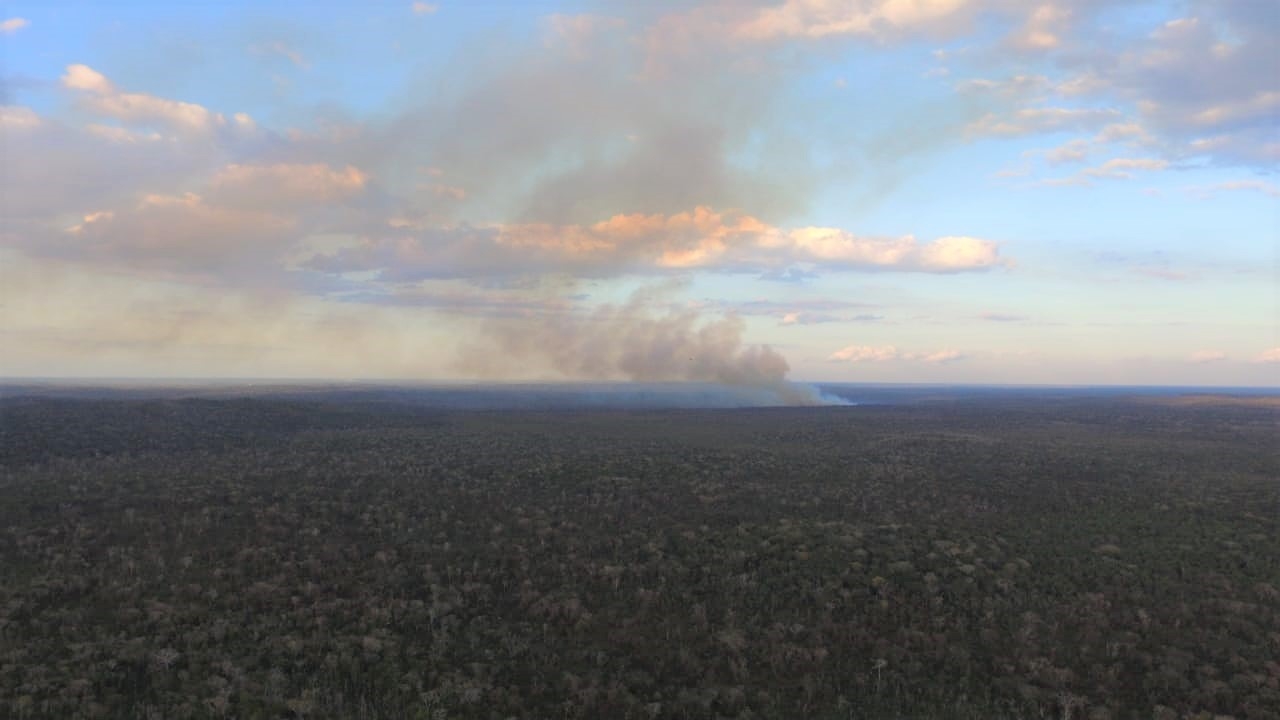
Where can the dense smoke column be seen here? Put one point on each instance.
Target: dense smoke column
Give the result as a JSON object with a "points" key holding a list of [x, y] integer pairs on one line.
{"points": [[632, 342]]}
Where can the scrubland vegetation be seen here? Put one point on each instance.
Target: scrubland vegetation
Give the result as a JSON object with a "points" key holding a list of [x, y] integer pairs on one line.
{"points": [[263, 558]]}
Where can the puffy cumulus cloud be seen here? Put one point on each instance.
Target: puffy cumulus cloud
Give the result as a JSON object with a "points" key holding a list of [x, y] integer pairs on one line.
{"points": [[826, 18], [835, 248], [702, 239], [890, 353], [100, 96], [13, 25], [1270, 356], [1206, 356], [83, 77]]}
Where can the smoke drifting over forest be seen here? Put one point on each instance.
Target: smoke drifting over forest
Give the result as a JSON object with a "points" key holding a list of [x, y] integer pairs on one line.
{"points": [[369, 190], [633, 341]]}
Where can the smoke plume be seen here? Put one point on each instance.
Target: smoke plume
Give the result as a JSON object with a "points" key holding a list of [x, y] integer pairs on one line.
{"points": [[637, 342]]}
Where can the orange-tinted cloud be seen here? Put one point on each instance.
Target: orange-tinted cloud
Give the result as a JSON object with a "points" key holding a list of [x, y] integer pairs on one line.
{"points": [[100, 96], [700, 239], [824, 18]]}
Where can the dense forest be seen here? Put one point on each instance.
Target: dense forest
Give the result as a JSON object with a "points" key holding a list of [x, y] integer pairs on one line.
{"points": [[1073, 558]]}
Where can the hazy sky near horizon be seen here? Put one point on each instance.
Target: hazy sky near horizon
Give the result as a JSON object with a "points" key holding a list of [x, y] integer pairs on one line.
{"points": [[997, 191]]}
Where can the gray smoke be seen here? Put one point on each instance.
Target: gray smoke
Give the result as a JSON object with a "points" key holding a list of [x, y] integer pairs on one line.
{"points": [[634, 341]]}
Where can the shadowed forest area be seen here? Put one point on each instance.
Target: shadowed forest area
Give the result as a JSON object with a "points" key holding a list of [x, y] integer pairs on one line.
{"points": [[999, 557]]}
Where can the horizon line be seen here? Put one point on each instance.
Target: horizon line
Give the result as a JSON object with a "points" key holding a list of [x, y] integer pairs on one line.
{"points": [[401, 382]]}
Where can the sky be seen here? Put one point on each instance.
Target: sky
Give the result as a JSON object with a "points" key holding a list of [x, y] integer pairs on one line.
{"points": [[925, 191]]}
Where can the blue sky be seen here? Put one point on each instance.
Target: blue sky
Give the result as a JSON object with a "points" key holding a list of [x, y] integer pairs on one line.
{"points": [[1076, 191]]}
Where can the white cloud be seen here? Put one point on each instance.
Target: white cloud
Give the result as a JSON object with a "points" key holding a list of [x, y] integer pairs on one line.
{"points": [[865, 353], [17, 117], [817, 318], [1113, 169], [13, 25], [826, 18], [101, 96], [424, 8], [83, 77], [890, 353], [836, 247], [1263, 103], [1269, 356], [1206, 75], [1037, 120], [939, 356], [1043, 28], [1123, 168], [1016, 87], [701, 239], [1201, 85], [61, 170]]}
